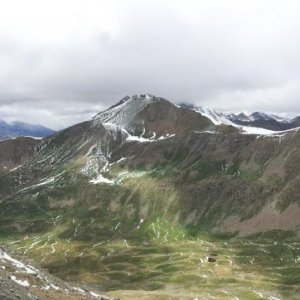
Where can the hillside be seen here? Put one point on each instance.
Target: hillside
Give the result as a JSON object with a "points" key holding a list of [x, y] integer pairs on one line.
{"points": [[20, 279], [113, 201]]}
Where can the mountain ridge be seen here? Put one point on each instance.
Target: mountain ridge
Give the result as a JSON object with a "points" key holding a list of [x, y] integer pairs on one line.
{"points": [[262, 120], [128, 126], [18, 128], [145, 115], [92, 201]]}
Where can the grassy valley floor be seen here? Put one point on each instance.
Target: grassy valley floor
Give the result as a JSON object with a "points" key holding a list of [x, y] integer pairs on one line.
{"points": [[203, 267]]}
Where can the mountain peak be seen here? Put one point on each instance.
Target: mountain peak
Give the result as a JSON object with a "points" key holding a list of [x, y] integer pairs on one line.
{"points": [[126, 113], [146, 115], [129, 106], [128, 98]]}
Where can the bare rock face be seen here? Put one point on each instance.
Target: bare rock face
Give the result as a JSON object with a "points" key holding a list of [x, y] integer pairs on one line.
{"points": [[163, 118]]}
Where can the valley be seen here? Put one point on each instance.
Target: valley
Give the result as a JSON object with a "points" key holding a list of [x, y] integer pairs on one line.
{"points": [[176, 267], [149, 200]]}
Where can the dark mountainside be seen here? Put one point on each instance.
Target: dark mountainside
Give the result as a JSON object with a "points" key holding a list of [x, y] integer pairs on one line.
{"points": [[149, 199]]}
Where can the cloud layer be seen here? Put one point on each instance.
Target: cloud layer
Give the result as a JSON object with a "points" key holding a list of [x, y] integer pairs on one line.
{"points": [[63, 61]]}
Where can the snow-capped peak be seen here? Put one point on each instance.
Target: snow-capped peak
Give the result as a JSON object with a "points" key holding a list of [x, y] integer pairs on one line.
{"points": [[250, 123], [125, 113], [256, 116], [129, 115], [129, 106]]}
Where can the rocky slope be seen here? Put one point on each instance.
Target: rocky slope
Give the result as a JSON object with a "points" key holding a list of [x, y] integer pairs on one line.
{"points": [[215, 172], [16, 152], [88, 201], [20, 279], [148, 116]]}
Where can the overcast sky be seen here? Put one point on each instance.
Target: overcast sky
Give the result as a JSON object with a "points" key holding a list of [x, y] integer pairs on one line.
{"points": [[63, 61]]}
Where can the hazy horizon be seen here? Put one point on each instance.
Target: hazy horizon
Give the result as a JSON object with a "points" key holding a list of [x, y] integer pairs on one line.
{"points": [[64, 61]]}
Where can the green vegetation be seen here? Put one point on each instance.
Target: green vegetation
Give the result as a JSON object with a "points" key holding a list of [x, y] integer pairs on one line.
{"points": [[137, 240], [162, 259], [147, 236]]}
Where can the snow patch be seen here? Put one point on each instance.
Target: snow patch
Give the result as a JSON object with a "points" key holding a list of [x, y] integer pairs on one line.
{"points": [[126, 175], [121, 159], [95, 295], [101, 179], [215, 117], [167, 136], [19, 265], [16, 168], [44, 181], [80, 290], [20, 282], [266, 132], [139, 139], [256, 130]]}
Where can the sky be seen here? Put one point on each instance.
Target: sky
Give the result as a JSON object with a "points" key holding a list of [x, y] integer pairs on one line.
{"points": [[62, 61]]}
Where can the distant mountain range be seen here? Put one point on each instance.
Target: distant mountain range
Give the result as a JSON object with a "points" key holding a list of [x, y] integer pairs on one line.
{"points": [[15, 129], [263, 120], [256, 119]]}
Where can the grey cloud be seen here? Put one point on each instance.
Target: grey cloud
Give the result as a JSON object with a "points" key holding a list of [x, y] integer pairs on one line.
{"points": [[222, 55]]}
